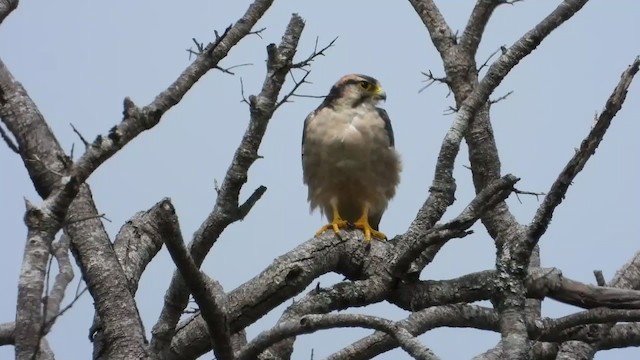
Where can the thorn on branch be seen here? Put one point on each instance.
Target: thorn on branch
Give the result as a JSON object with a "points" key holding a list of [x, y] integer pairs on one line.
{"points": [[84, 141], [495, 101], [9, 141]]}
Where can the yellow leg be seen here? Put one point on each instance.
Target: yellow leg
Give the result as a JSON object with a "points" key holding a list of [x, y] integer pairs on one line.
{"points": [[337, 222], [363, 223]]}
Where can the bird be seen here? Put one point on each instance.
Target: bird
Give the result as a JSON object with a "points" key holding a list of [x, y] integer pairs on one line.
{"points": [[349, 161]]}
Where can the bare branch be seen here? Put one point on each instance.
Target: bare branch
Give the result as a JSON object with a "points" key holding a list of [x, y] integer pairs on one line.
{"points": [[599, 278], [7, 330], [227, 209], [497, 100], [409, 246], [441, 35], [296, 85], [431, 79], [210, 301], [291, 272], [63, 279], [228, 70], [457, 315], [588, 147], [340, 296], [472, 34], [483, 285], [312, 323], [6, 7], [84, 141], [316, 53]]}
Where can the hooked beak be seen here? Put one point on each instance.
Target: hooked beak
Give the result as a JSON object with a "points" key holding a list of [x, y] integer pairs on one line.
{"points": [[380, 93]]}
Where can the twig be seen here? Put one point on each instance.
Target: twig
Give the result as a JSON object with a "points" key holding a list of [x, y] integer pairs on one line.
{"points": [[258, 32], [9, 141], [84, 141], [296, 85], [314, 54], [486, 62], [228, 70], [244, 99], [494, 101], [431, 79], [523, 192]]}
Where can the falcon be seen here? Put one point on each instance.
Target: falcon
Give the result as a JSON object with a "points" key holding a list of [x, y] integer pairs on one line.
{"points": [[349, 162]]}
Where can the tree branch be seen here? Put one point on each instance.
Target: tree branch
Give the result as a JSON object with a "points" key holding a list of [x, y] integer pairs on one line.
{"points": [[209, 300], [287, 276], [409, 249], [472, 34], [227, 209], [340, 296], [312, 323], [6, 7], [441, 35], [558, 190], [456, 315]]}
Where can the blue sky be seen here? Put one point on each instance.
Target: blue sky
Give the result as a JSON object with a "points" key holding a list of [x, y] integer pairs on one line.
{"points": [[78, 60]]}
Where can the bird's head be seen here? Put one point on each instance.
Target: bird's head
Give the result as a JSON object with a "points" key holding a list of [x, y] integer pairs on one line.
{"points": [[354, 90]]}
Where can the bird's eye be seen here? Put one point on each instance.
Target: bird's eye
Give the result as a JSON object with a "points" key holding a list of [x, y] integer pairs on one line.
{"points": [[365, 85]]}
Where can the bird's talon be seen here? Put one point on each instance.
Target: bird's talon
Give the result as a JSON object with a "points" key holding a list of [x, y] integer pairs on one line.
{"points": [[368, 231], [335, 225]]}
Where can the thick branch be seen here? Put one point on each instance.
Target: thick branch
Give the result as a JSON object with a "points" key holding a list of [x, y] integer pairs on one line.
{"points": [[289, 274], [484, 285], [440, 32], [472, 34], [209, 300]]}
